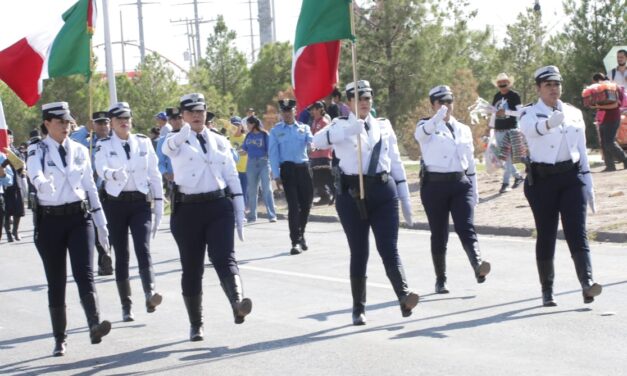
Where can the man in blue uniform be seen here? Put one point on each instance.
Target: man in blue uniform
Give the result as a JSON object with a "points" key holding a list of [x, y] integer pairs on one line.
{"points": [[385, 184], [288, 144], [559, 183], [449, 184]]}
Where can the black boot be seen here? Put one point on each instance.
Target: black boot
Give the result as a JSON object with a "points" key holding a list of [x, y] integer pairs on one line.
{"points": [[546, 271], [16, 225], [407, 299], [59, 322], [194, 311], [124, 290], [232, 286], [439, 265], [7, 229], [583, 266], [481, 268], [358, 290], [303, 243], [153, 299], [97, 329]]}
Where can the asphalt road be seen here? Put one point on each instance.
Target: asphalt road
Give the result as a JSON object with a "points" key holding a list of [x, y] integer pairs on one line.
{"points": [[301, 321]]}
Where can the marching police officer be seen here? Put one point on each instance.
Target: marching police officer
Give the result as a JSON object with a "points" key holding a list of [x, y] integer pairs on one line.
{"points": [[127, 163], [207, 202], [101, 129], [67, 203], [385, 184], [287, 150], [449, 184], [559, 183]]}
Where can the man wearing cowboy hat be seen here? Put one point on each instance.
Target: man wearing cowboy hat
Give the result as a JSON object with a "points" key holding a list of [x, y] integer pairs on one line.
{"points": [[504, 121]]}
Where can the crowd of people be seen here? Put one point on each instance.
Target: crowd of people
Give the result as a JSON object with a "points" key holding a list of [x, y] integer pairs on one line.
{"points": [[90, 186]]}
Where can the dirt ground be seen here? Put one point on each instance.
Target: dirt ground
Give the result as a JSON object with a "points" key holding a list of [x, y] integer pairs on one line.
{"points": [[512, 210]]}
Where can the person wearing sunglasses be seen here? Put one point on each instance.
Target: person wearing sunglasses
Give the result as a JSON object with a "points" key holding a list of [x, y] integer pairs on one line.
{"points": [[559, 182], [505, 123], [449, 184]]}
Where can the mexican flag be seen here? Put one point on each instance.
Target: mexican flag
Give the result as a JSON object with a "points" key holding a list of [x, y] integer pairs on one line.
{"points": [[61, 50], [321, 26]]}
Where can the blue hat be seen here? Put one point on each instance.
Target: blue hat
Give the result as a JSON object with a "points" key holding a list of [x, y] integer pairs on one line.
{"points": [[172, 112], [100, 116], [120, 110], [236, 120], [161, 115], [287, 104]]}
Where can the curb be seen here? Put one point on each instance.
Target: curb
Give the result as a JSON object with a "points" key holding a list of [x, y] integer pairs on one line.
{"points": [[601, 236]]}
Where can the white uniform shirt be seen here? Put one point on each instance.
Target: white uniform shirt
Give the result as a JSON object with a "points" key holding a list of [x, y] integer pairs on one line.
{"points": [[445, 151], [346, 148], [199, 172], [564, 142], [142, 167], [72, 183]]}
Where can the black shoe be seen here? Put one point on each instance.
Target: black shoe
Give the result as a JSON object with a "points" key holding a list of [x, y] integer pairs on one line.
{"points": [[590, 292], [409, 302], [98, 331], [323, 201], [196, 333], [358, 291], [59, 348], [295, 250], [517, 182], [504, 188], [332, 199], [127, 314], [153, 301], [482, 270], [609, 169], [440, 287], [547, 299], [303, 243]]}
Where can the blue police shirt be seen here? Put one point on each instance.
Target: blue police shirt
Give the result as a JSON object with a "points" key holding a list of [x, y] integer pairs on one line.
{"points": [[7, 180], [165, 165], [81, 135], [288, 143]]}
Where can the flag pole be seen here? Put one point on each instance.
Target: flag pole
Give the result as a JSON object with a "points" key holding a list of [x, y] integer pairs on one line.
{"points": [[91, 97], [356, 102]]}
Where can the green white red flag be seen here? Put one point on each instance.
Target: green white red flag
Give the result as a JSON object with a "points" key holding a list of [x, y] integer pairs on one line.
{"points": [[322, 24], [62, 50]]}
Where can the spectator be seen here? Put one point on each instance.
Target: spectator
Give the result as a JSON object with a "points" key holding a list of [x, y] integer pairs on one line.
{"points": [[609, 116], [258, 169]]}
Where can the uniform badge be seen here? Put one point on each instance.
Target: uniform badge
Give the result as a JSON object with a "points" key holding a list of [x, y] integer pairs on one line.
{"points": [[98, 148], [32, 152], [142, 153], [51, 163], [113, 153]]}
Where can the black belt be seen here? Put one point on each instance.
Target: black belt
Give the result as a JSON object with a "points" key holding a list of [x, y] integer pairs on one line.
{"points": [[200, 197], [128, 196], [66, 209], [293, 164], [444, 176], [545, 169], [353, 180]]}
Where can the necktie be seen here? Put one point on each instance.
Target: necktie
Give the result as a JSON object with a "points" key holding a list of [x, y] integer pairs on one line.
{"points": [[450, 128], [202, 142], [367, 127], [62, 154], [127, 149]]}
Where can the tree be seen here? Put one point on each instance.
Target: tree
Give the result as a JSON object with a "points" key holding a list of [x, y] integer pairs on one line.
{"points": [[524, 52], [271, 73], [152, 90], [224, 64], [20, 118]]}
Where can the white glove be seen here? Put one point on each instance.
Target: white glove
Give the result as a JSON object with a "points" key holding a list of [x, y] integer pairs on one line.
{"points": [[589, 192], [556, 118], [46, 186], [403, 196], [354, 126], [238, 208], [103, 237], [158, 210], [181, 136], [475, 189], [441, 114], [119, 175]]}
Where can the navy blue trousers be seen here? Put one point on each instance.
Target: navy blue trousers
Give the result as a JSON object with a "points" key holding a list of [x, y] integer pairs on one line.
{"points": [[58, 235], [383, 219], [298, 186], [441, 199], [197, 227], [552, 197], [122, 216]]}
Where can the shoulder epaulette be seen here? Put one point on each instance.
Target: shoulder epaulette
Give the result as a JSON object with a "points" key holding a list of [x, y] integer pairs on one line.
{"points": [[425, 118], [382, 119], [34, 140], [141, 135], [175, 131], [528, 104], [216, 132], [343, 117], [104, 139]]}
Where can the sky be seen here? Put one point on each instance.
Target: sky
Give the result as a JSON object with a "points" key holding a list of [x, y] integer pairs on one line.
{"points": [[20, 18]]}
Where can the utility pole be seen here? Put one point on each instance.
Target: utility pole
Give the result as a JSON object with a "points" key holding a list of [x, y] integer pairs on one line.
{"points": [[195, 24], [140, 22], [122, 44], [252, 35], [113, 96]]}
